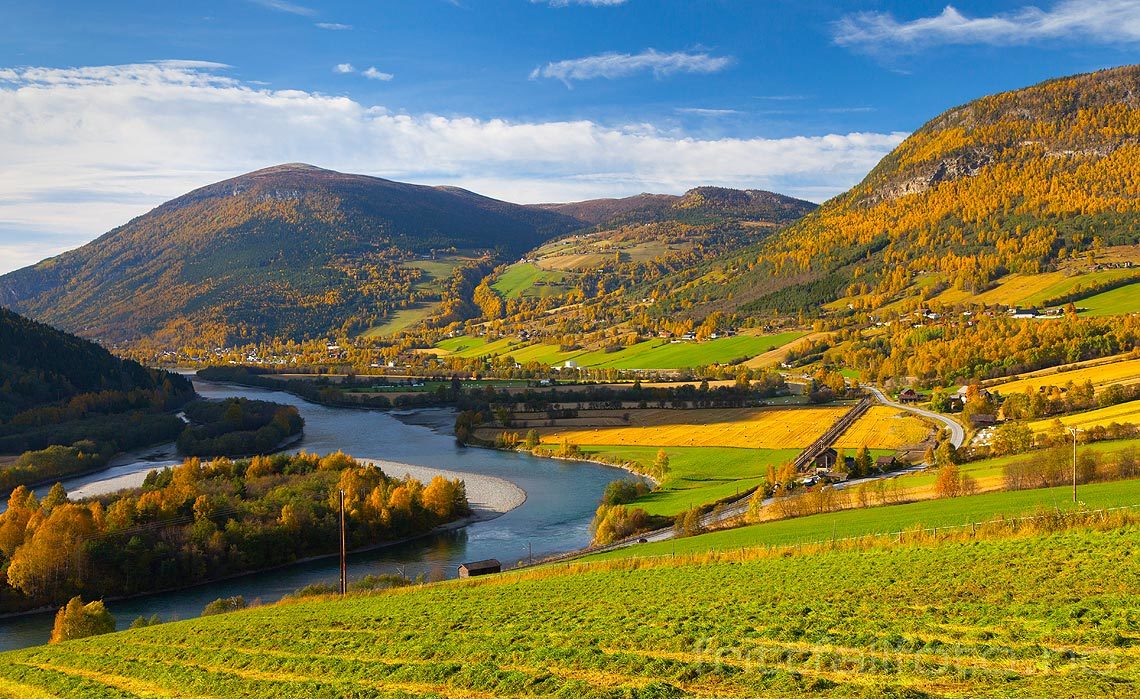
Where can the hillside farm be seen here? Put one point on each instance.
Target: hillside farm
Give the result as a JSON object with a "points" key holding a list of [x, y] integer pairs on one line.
{"points": [[751, 428]]}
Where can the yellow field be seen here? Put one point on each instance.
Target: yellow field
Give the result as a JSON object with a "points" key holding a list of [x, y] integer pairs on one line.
{"points": [[1122, 372], [882, 427], [774, 357], [753, 428], [1125, 412]]}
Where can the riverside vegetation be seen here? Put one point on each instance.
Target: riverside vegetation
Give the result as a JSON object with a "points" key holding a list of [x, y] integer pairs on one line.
{"points": [[202, 521]]}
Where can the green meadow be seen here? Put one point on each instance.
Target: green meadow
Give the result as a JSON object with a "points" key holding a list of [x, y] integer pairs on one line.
{"points": [[1028, 615]]}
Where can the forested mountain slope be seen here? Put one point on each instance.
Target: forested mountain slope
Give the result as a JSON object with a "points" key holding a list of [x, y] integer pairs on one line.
{"points": [[1011, 183], [289, 251], [58, 389], [698, 204]]}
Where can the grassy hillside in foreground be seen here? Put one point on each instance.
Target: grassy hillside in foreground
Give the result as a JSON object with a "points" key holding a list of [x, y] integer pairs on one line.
{"points": [[950, 512], [1051, 615]]}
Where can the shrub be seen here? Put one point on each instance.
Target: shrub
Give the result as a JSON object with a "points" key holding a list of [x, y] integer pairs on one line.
{"points": [[224, 605], [79, 620]]}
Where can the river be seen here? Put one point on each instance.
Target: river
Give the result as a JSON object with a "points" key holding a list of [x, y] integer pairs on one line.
{"points": [[560, 501]]}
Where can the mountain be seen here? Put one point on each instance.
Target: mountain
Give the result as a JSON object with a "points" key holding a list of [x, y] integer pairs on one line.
{"points": [[701, 202], [41, 365], [290, 251], [1019, 183], [60, 389]]}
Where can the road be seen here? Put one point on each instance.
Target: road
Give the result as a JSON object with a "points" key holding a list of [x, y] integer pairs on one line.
{"points": [[957, 432]]}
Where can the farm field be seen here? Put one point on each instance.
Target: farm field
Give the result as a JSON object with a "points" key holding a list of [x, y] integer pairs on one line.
{"points": [[1070, 284], [523, 278], [883, 427], [1120, 413], [1101, 374], [884, 519], [649, 354], [400, 320], [747, 428], [1046, 615], [1125, 299], [778, 355], [990, 473], [698, 475], [658, 354]]}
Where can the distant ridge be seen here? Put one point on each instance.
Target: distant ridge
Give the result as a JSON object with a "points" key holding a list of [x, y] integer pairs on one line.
{"points": [[289, 251]]}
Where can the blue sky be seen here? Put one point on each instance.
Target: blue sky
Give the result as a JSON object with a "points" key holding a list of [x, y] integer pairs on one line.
{"points": [[107, 109]]}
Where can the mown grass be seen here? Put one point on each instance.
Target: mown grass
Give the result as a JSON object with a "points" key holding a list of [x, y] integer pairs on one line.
{"points": [[698, 475], [948, 512], [662, 354], [1046, 615], [520, 278], [400, 320], [1125, 299], [649, 354]]}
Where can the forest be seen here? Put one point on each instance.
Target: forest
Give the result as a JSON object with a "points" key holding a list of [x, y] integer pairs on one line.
{"points": [[67, 405], [237, 427], [202, 521]]}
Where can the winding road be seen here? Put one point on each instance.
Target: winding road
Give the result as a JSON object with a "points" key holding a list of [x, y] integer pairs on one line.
{"points": [[957, 432]]}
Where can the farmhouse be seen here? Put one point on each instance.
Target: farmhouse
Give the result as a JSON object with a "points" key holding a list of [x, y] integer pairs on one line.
{"points": [[475, 568], [885, 463], [983, 420], [909, 395], [826, 459]]}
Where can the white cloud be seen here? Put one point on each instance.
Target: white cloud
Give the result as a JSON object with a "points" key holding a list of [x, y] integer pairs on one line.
{"points": [[283, 6], [1103, 21], [592, 3], [620, 65], [344, 68], [372, 74], [85, 149], [705, 112], [334, 26]]}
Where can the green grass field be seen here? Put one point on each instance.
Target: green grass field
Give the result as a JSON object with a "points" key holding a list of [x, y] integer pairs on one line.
{"points": [[1049, 615], [890, 518], [520, 279], [658, 354], [1070, 284], [400, 320], [1125, 299], [699, 475], [650, 354]]}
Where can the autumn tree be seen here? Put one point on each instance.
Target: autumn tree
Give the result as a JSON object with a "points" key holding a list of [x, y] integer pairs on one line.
{"points": [[78, 620]]}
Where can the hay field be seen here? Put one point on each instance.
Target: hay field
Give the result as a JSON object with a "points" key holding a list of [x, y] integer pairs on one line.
{"points": [[1123, 372], [1122, 413], [749, 428], [883, 427]]}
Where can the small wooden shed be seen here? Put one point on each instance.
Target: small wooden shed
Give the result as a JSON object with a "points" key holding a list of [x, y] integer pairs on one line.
{"points": [[470, 570]]}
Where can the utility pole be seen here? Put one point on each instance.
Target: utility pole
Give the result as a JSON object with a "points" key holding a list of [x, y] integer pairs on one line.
{"points": [[1074, 431], [343, 552]]}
